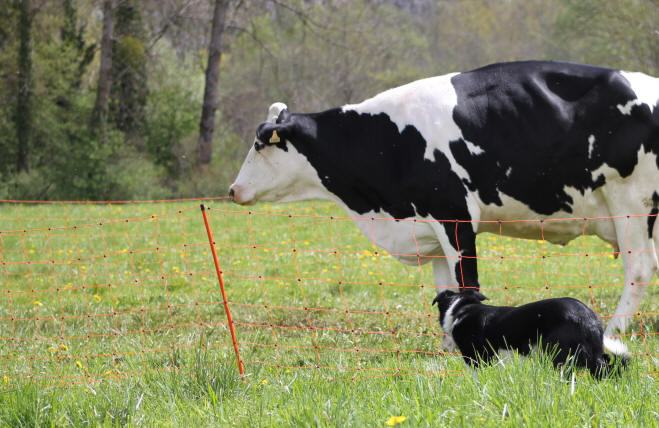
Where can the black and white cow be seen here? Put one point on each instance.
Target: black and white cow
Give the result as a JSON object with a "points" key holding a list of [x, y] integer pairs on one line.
{"points": [[512, 141]]}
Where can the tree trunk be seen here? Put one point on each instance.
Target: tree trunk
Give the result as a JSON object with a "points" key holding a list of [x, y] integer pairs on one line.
{"points": [[24, 99], [100, 114], [207, 123]]}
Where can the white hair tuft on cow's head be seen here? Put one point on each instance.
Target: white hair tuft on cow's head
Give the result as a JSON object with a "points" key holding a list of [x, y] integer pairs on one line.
{"points": [[274, 110]]}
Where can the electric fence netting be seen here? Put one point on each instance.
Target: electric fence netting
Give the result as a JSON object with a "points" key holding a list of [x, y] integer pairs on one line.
{"points": [[105, 291]]}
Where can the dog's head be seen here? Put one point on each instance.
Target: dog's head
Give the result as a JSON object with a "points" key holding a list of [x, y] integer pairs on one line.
{"points": [[446, 298]]}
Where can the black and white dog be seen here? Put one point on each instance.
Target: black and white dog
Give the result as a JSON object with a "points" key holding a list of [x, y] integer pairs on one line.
{"points": [[564, 326]]}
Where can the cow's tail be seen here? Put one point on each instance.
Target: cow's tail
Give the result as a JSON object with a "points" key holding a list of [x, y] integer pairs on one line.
{"points": [[607, 365]]}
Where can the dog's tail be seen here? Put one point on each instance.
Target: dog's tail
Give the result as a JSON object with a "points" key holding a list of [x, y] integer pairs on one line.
{"points": [[605, 364]]}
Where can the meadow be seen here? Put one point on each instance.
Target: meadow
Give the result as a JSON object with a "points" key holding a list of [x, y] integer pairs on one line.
{"points": [[111, 315]]}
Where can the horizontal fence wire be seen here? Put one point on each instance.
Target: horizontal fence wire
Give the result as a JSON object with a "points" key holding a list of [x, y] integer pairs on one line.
{"points": [[100, 291]]}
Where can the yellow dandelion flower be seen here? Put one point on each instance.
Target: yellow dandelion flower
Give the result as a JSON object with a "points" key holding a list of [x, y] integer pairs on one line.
{"points": [[37, 303], [203, 278], [265, 250], [396, 420], [79, 364], [324, 270], [264, 381], [364, 265], [63, 347], [410, 276], [284, 242], [374, 258], [367, 253], [287, 371], [348, 246], [31, 251], [52, 349], [370, 274], [5, 378], [176, 268], [108, 372], [97, 297], [306, 242]]}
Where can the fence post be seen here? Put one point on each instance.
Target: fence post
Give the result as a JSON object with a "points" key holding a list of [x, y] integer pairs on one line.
{"points": [[224, 294]]}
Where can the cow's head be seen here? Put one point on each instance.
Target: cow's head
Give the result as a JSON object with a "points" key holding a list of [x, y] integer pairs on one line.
{"points": [[274, 170]]}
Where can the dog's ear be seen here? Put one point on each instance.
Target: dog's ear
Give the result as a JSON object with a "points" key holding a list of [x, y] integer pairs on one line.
{"points": [[441, 295], [479, 295], [475, 293]]}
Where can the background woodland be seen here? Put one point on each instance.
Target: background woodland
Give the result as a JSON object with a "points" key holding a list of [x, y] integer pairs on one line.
{"points": [[150, 99]]}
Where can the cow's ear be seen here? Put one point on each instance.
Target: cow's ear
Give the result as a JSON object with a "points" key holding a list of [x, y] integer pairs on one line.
{"points": [[274, 110], [274, 133]]}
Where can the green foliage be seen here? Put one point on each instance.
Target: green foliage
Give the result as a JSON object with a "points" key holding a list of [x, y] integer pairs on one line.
{"points": [[311, 56], [172, 112], [128, 94], [615, 33]]}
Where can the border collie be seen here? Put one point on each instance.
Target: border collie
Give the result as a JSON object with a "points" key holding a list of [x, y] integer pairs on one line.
{"points": [[564, 326]]}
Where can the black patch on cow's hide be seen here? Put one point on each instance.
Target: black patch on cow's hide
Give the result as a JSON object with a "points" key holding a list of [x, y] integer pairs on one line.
{"points": [[364, 160], [533, 121], [653, 213]]}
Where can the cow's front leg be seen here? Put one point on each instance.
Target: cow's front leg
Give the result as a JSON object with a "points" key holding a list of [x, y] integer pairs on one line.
{"points": [[460, 252], [458, 267], [458, 242]]}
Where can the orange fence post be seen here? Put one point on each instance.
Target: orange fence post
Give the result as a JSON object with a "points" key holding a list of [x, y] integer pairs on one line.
{"points": [[224, 295]]}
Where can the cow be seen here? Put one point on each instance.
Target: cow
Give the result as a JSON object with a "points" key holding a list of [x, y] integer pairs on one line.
{"points": [[531, 140]]}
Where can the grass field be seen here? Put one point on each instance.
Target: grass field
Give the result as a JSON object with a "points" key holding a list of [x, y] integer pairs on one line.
{"points": [[112, 314]]}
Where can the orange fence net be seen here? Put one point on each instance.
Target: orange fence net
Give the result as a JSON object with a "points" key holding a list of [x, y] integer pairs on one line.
{"points": [[95, 291]]}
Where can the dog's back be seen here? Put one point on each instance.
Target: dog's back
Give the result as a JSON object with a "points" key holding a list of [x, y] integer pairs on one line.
{"points": [[563, 326]]}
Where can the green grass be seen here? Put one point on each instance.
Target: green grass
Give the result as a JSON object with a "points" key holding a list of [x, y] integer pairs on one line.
{"points": [[115, 322]]}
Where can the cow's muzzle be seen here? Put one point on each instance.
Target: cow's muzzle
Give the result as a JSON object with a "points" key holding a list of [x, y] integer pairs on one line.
{"points": [[240, 195]]}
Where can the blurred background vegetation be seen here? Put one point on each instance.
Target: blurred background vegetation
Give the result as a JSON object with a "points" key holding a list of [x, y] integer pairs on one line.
{"points": [[84, 119]]}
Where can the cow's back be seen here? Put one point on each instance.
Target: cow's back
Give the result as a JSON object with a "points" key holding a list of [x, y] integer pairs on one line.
{"points": [[540, 128]]}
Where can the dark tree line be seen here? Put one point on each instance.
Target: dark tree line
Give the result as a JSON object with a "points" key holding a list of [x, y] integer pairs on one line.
{"points": [[116, 99]]}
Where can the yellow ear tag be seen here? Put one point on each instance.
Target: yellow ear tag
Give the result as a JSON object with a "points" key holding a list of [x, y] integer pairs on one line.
{"points": [[274, 138]]}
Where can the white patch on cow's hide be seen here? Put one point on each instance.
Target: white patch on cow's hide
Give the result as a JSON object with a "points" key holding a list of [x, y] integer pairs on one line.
{"points": [[591, 145], [509, 171], [474, 149], [427, 105], [627, 108], [645, 87]]}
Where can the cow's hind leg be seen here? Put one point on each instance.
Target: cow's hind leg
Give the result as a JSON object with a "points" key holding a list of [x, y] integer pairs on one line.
{"points": [[639, 264]]}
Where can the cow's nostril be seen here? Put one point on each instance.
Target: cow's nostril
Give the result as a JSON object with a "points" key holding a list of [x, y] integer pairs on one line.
{"points": [[231, 193]]}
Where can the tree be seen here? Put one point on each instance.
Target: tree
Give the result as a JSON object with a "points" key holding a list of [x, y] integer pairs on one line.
{"points": [[24, 99], [100, 113], [207, 123], [128, 91]]}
